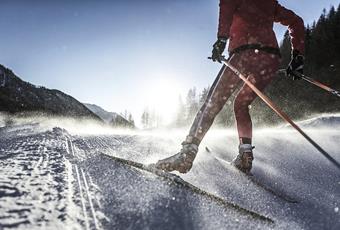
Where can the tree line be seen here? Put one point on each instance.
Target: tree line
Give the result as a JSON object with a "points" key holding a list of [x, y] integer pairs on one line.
{"points": [[123, 120]]}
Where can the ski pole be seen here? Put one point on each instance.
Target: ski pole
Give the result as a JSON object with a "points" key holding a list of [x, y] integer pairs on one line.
{"points": [[314, 82], [279, 112]]}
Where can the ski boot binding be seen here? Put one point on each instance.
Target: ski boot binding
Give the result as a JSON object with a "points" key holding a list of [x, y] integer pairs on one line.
{"points": [[244, 159], [182, 161]]}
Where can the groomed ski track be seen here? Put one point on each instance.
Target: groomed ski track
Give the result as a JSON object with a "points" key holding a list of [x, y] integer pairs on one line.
{"points": [[54, 178]]}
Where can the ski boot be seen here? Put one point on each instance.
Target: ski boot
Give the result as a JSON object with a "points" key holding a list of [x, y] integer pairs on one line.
{"points": [[244, 159], [182, 161]]}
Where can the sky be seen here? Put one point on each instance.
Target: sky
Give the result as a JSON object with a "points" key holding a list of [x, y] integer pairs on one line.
{"points": [[119, 54]]}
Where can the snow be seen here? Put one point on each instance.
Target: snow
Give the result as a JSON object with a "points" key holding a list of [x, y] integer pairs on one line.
{"points": [[34, 178], [328, 121], [52, 176], [38, 86], [103, 114]]}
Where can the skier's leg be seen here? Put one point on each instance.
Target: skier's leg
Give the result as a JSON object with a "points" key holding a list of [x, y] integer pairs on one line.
{"points": [[218, 95], [260, 75], [224, 85]]}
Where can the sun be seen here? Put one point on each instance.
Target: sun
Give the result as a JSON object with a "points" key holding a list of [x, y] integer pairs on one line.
{"points": [[163, 98]]}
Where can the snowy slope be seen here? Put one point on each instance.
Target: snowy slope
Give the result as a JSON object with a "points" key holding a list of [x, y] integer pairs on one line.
{"points": [[103, 114], [109, 117], [52, 177], [330, 121]]}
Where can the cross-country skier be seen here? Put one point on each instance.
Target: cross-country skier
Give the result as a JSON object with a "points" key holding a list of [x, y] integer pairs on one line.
{"points": [[253, 50]]}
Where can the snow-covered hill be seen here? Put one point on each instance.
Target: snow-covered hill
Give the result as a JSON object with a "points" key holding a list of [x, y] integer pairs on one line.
{"points": [[328, 121], [103, 114], [53, 177], [109, 117]]}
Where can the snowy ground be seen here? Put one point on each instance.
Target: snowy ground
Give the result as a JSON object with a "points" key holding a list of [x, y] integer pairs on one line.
{"points": [[53, 176]]}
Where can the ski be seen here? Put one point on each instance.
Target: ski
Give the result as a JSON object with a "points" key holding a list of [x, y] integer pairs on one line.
{"points": [[254, 180], [177, 180]]}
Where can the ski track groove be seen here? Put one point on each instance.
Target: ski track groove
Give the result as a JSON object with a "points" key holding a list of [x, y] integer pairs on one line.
{"points": [[89, 199], [83, 190], [36, 166], [96, 187], [69, 141], [87, 223], [35, 189], [67, 146]]}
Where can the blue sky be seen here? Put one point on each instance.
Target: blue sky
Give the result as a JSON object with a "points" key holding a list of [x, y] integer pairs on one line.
{"points": [[113, 53]]}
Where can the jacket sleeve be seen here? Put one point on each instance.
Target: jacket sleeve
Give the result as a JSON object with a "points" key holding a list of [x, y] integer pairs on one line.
{"points": [[295, 26], [227, 9]]}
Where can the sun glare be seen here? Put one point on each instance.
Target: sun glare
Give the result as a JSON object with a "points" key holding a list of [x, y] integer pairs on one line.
{"points": [[163, 99]]}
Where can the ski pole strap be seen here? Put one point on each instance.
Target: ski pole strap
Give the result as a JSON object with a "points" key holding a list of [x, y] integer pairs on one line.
{"points": [[267, 49], [279, 112]]}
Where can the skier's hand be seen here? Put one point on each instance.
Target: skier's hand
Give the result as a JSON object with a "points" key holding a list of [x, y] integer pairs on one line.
{"points": [[295, 65], [218, 49]]}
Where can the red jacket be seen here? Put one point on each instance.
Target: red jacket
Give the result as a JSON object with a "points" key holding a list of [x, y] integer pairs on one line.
{"points": [[251, 22]]}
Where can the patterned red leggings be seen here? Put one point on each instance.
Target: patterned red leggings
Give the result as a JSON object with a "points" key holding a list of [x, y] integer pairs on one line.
{"points": [[260, 68]]}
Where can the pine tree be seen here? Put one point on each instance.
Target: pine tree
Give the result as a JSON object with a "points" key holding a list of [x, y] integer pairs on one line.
{"points": [[181, 113], [191, 104], [285, 50], [203, 96], [131, 120], [146, 118]]}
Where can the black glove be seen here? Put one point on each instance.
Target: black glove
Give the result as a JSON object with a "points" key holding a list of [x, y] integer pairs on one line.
{"points": [[295, 65], [218, 49]]}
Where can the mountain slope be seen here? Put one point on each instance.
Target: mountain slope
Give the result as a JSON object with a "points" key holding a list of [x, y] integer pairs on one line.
{"points": [[99, 111], [17, 95], [109, 117]]}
